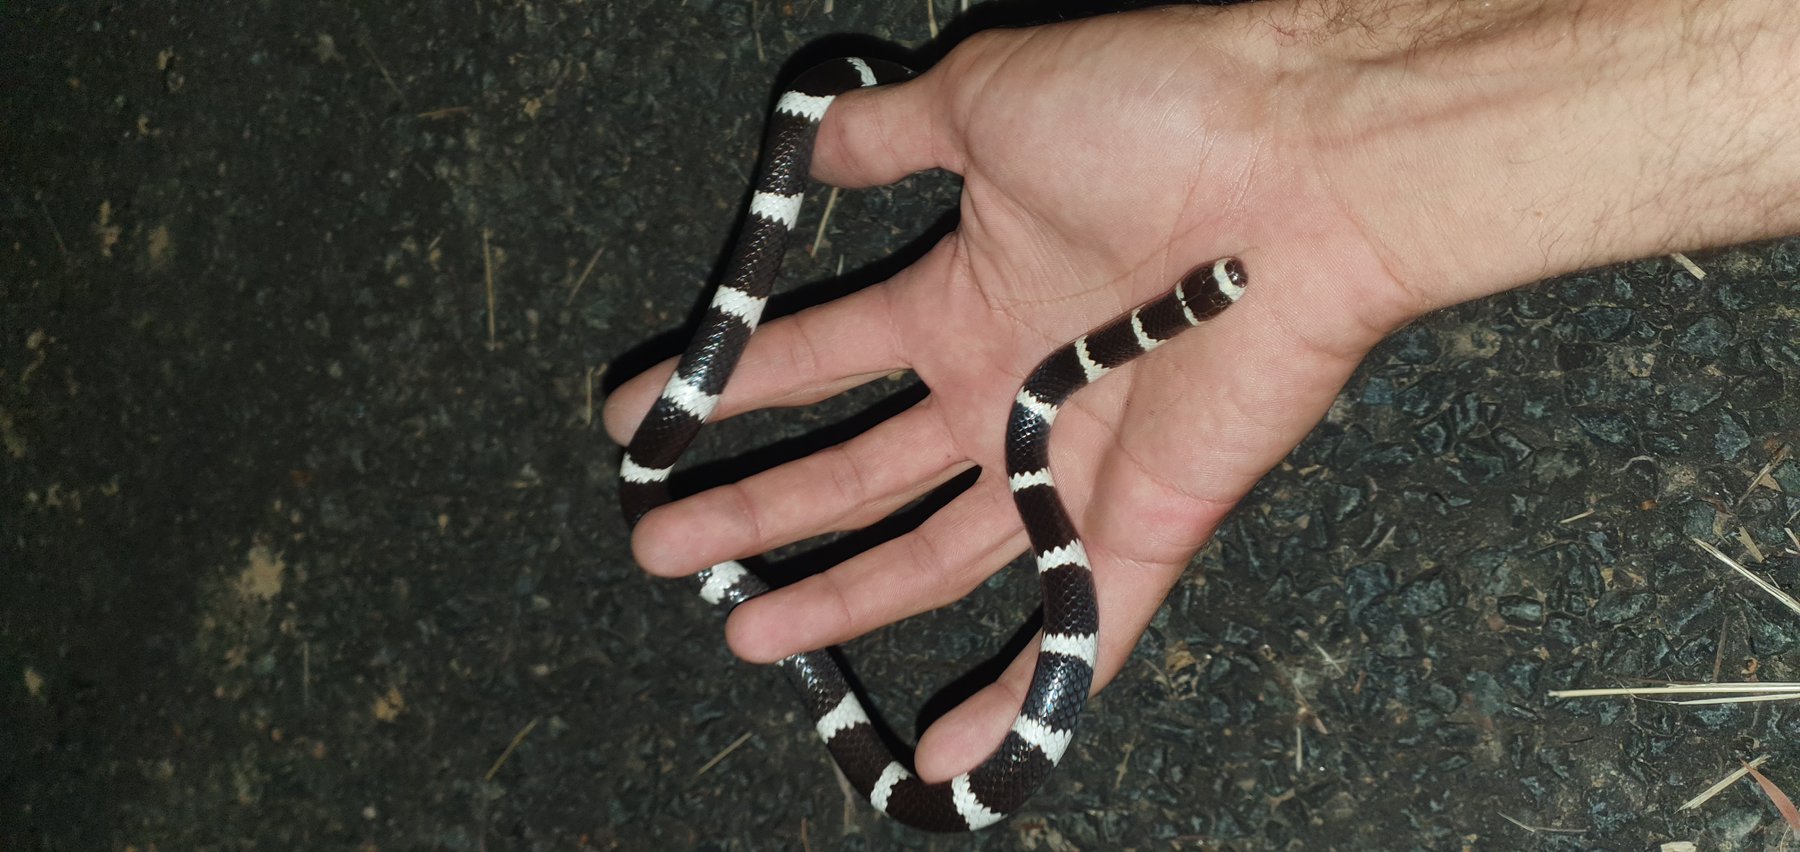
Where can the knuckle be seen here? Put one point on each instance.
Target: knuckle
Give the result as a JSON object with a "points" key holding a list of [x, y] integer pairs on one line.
{"points": [[802, 351], [847, 478], [743, 506]]}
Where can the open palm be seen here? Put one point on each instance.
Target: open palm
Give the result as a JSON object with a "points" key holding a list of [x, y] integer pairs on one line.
{"points": [[1100, 162]]}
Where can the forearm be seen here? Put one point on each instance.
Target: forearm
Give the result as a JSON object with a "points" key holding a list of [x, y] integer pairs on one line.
{"points": [[1485, 146]]}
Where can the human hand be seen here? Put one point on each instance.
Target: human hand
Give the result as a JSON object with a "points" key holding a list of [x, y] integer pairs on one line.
{"points": [[1362, 182]]}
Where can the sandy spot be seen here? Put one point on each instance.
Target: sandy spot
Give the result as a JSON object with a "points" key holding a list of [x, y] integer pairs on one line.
{"points": [[261, 577], [105, 230], [389, 707], [325, 48], [158, 247]]}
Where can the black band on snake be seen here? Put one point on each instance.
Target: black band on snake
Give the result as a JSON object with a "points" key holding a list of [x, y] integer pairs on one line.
{"points": [[1065, 665]]}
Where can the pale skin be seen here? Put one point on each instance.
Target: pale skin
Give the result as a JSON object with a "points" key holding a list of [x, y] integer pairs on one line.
{"points": [[1369, 162]]}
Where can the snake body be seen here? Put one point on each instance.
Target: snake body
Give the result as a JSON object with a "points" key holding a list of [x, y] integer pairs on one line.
{"points": [[1065, 665]]}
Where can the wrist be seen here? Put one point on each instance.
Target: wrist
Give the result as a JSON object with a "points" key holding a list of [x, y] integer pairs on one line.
{"points": [[1485, 150]]}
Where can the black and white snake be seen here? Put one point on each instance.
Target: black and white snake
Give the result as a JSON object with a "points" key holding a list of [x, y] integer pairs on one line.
{"points": [[1065, 664]]}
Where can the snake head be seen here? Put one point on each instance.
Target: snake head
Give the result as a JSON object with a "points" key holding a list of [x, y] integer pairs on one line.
{"points": [[1228, 275], [1212, 287]]}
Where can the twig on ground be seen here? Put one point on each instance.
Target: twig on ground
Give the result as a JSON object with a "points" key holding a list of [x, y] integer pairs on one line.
{"points": [[1707, 794], [1790, 690], [510, 748], [1540, 829], [584, 275], [824, 218], [723, 754], [55, 232], [1780, 596], [1692, 267], [487, 263]]}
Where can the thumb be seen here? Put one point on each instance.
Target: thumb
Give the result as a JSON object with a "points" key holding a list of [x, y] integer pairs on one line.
{"points": [[880, 135]]}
